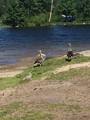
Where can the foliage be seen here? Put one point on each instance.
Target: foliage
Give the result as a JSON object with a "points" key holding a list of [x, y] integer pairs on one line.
{"points": [[19, 12], [15, 15], [83, 9]]}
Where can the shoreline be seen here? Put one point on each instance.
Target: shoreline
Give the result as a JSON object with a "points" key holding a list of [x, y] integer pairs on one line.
{"points": [[50, 24], [15, 69], [85, 53], [28, 61], [12, 70]]}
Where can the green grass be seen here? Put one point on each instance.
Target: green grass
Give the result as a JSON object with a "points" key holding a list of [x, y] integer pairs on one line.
{"points": [[9, 109], [22, 111], [39, 72], [65, 107], [9, 82], [18, 111], [52, 64], [83, 73]]}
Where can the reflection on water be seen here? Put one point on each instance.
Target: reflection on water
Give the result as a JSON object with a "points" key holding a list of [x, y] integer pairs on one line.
{"points": [[18, 43]]}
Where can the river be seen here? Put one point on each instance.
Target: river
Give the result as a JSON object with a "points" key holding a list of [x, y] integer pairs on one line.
{"points": [[18, 43]]}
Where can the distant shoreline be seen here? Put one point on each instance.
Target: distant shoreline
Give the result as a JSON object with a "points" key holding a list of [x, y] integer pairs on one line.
{"points": [[50, 24]]}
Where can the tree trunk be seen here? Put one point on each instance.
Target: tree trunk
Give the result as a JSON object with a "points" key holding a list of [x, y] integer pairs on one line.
{"points": [[51, 11]]}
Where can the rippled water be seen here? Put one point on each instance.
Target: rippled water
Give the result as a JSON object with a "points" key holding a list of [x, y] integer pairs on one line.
{"points": [[18, 43]]}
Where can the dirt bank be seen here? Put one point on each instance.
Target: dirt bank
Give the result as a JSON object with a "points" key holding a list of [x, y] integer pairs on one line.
{"points": [[14, 69]]}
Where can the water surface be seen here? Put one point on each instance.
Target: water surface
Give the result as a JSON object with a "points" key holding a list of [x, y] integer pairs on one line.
{"points": [[19, 43]]}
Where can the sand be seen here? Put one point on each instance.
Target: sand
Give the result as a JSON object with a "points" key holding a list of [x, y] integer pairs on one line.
{"points": [[85, 53], [15, 69]]}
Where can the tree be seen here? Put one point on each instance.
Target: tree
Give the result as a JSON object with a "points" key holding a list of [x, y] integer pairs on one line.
{"points": [[83, 9], [3, 7], [16, 15], [16, 12], [51, 11]]}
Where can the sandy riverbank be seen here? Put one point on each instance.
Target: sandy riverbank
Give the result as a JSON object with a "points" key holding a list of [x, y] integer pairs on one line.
{"points": [[85, 53], [13, 70]]}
